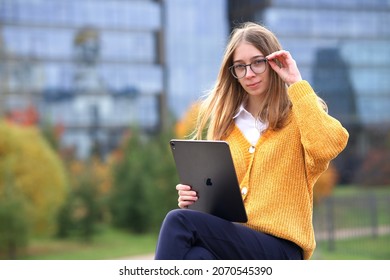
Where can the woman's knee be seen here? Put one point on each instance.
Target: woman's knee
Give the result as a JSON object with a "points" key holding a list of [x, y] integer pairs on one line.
{"points": [[174, 215], [174, 218], [182, 214]]}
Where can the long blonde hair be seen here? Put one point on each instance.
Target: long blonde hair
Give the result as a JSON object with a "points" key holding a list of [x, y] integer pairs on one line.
{"points": [[219, 107]]}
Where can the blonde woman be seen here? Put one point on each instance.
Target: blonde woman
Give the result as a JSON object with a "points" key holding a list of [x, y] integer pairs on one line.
{"points": [[281, 140]]}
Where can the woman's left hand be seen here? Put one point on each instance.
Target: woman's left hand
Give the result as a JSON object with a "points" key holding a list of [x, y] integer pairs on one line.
{"points": [[285, 66]]}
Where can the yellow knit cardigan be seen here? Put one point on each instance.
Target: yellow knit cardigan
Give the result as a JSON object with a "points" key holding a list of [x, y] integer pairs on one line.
{"points": [[278, 174]]}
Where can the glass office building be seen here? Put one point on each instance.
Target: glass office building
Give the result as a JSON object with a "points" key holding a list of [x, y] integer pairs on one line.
{"points": [[196, 34], [83, 65], [97, 66]]}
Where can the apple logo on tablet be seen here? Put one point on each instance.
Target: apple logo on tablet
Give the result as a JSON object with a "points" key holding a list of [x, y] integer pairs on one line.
{"points": [[208, 182]]}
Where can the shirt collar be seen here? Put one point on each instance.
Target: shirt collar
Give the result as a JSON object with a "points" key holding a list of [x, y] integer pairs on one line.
{"points": [[242, 111]]}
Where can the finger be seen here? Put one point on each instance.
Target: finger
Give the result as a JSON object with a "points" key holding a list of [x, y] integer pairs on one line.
{"points": [[183, 187], [278, 68], [282, 55], [275, 66], [187, 193], [188, 198], [185, 203], [282, 58]]}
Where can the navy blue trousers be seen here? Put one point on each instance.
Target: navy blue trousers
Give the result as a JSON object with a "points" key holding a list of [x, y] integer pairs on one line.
{"points": [[193, 235]]}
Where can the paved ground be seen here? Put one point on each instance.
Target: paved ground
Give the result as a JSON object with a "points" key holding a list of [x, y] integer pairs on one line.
{"points": [[354, 232], [140, 257]]}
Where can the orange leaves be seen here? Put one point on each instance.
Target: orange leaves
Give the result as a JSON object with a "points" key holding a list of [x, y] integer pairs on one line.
{"points": [[24, 117], [325, 184], [185, 126]]}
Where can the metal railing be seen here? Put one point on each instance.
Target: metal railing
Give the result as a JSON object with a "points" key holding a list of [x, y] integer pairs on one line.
{"points": [[341, 218]]}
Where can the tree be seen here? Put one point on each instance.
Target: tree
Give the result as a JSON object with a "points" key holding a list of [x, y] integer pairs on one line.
{"points": [[81, 213], [144, 180], [36, 171], [14, 223]]}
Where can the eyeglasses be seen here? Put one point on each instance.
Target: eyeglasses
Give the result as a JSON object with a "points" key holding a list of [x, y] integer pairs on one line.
{"points": [[239, 70]]}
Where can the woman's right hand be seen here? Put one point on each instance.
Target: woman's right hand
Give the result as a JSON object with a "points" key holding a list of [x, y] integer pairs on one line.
{"points": [[186, 195]]}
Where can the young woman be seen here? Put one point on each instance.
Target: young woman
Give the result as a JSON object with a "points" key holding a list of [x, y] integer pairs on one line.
{"points": [[281, 141]]}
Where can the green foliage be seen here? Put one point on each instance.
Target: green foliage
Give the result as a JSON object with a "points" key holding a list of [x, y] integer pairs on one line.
{"points": [[144, 183], [80, 214], [14, 224], [36, 171], [49, 133], [164, 179]]}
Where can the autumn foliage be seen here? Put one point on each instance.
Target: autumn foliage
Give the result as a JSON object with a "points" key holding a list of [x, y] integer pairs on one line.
{"points": [[185, 126], [35, 171], [325, 184]]}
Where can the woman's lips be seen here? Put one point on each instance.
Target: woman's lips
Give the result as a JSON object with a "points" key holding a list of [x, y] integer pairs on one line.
{"points": [[253, 85]]}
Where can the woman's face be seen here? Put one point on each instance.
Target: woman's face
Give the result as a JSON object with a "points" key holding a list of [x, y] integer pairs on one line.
{"points": [[255, 84]]}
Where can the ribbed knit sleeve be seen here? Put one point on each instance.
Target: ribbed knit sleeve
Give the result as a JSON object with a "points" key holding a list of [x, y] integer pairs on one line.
{"points": [[322, 136]]}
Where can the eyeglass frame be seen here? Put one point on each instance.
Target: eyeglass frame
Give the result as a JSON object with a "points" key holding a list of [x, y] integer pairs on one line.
{"points": [[231, 68]]}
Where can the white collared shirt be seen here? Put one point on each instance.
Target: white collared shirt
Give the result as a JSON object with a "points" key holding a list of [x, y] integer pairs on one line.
{"points": [[249, 125]]}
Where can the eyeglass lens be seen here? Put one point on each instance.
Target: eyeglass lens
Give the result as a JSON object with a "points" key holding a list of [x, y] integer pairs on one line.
{"points": [[239, 70]]}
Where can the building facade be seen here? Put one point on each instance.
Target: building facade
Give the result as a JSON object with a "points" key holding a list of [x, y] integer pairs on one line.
{"points": [[82, 64], [95, 67]]}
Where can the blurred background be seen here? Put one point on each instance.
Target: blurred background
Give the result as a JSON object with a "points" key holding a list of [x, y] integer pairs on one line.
{"points": [[91, 92]]}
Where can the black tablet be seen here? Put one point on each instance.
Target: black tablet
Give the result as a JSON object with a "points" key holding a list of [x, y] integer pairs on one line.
{"points": [[207, 166]]}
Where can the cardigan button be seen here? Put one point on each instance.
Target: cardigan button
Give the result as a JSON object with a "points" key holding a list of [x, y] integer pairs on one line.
{"points": [[244, 190], [252, 149]]}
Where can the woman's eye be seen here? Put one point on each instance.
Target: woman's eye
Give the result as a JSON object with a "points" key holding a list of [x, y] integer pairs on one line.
{"points": [[257, 62], [239, 66]]}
